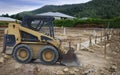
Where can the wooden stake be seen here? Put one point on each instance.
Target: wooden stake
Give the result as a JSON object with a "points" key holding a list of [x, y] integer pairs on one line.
{"points": [[101, 36], [64, 31], [78, 46], [105, 49], [90, 38], [95, 39]]}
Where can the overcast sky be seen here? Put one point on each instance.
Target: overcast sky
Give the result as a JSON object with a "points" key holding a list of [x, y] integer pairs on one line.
{"points": [[15, 6]]}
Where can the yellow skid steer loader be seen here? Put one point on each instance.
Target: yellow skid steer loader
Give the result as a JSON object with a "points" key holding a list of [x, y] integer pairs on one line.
{"points": [[34, 39]]}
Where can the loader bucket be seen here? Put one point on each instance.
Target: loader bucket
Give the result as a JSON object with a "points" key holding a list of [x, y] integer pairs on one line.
{"points": [[70, 59]]}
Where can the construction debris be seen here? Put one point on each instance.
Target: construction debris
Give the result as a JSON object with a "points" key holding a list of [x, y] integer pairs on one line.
{"points": [[2, 60], [59, 73], [66, 70]]}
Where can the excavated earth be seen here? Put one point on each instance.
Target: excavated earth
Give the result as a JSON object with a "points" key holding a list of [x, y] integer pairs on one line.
{"points": [[92, 59]]}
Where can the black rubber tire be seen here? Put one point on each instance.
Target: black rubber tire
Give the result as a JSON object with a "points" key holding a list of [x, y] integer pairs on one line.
{"points": [[28, 49], [56, 55]]}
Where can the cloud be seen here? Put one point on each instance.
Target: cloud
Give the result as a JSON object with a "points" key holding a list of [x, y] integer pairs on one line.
{"points": [[61, 2], [20, 2], [16, 6]]}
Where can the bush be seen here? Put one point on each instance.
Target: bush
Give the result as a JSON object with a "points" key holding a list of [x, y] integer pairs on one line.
{"points": [[113, 23], [65, 23], [74, 22], [3, 23]]}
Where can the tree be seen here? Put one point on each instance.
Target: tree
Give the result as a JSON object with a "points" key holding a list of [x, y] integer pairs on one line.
{"points": [[5, 15]]}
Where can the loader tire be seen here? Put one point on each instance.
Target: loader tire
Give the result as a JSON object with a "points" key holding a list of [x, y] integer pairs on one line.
{"points": [[48, 55], [22, 53]]}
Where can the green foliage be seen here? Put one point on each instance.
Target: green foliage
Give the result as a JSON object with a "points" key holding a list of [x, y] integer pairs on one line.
{"points": [[115, 23], [111, 23], [65, 23], [5, 15], [105, 9], [17, 16], [92, 21], [74, 22], [3, 23]]}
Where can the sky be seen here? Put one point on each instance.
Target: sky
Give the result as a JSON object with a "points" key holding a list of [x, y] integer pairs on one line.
{"points": [[16, 6]]}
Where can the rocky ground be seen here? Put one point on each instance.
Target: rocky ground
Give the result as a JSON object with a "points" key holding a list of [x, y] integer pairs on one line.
{"points": [[92, 59]]}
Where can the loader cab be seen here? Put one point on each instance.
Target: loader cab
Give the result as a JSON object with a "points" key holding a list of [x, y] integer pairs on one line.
{"points": [[42, 24]]}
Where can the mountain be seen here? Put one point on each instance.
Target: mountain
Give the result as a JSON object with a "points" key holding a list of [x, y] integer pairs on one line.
{"points": [[94, 9]]}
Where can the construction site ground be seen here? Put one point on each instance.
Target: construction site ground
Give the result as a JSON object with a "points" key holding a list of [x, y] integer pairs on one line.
{"points": [[93, 60]]}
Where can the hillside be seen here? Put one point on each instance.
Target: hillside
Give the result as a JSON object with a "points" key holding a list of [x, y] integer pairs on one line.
{"points": [[94, 9]]}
